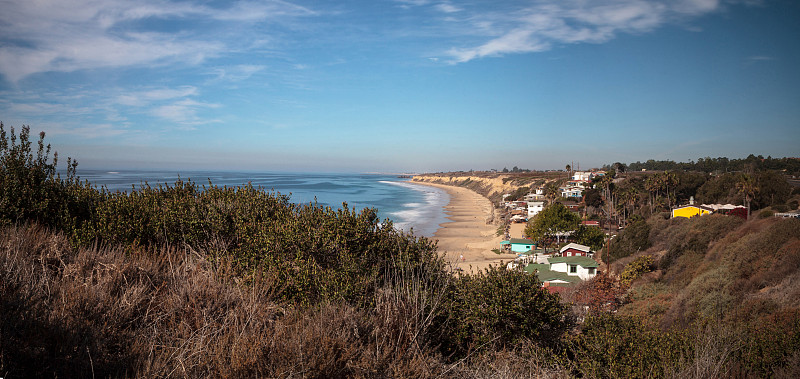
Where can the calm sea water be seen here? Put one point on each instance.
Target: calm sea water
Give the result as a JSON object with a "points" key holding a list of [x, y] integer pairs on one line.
{"points": [[408, 205]]}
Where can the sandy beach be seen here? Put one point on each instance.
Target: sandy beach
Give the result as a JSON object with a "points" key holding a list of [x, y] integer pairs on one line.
{"points": [[470, 231]]}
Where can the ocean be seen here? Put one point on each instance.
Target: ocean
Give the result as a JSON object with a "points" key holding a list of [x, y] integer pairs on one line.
{"points": [[408, 205]]}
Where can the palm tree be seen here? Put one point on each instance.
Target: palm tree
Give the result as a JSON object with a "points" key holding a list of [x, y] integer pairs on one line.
{"points": [[551, 191], [748, 188], [669, 179], [627, 197]]}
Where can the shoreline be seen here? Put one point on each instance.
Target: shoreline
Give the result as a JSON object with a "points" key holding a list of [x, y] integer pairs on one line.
{"points": [[469, 231]]}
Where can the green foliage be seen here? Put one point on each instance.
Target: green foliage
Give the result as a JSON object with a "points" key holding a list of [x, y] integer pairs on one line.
{"points": [[318, 253], [722, 164], [720, 189], [632, 239], [766, 213], [591, 236], [688, 183], [773, 189], [636, 269], [694, 236], [498, 308], [593, 198], [554, 218], [771, 342], [624, 347]]}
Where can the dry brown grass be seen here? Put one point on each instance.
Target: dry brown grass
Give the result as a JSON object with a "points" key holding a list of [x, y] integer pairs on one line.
{"points": [[107, 312]]}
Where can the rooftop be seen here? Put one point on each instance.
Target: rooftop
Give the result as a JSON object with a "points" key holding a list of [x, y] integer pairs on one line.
{"points": [[581, 261]]}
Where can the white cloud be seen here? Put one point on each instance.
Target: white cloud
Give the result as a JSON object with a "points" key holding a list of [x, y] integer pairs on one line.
{"points": [[760, 58], [238, 73], [87, 131], [55, 35], [546, 23], [184, 112], [142, 98], [448, 8]]}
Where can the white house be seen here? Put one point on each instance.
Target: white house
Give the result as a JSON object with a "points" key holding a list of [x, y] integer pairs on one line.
{"points": [[571, 192], [582, 267], [537, 194], [583, 175], [534, 207]]}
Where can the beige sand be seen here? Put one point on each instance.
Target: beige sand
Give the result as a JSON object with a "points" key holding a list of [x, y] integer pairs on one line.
{"points": [[470, 231]]}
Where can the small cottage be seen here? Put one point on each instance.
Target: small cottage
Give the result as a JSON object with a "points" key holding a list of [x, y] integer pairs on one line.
{"points": [[517, 245], [576, 250], [582, 267], [690, 211]]}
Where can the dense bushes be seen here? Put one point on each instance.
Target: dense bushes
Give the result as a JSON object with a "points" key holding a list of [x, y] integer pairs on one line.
{"points": [[499, 308], [631, 240], [318, 253], [189, 249], [193, 281], [170, 312]]}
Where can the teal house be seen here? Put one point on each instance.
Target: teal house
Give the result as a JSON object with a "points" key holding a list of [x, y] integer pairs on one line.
{"points": [[517, 245]]}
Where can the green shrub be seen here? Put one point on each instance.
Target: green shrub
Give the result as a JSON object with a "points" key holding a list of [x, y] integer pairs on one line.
{"points": [[624, 347], [766, 213], [634, 238], [498, 308], [636, 269]]}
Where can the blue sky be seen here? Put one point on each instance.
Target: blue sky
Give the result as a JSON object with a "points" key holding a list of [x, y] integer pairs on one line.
{"points": [[401, 85]]}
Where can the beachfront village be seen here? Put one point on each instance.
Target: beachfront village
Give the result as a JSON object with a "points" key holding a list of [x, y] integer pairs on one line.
{"points": [[569, 227]]}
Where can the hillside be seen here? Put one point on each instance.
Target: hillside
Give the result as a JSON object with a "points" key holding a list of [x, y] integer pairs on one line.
{"points": [[184, 281], [717, 267], [492, 185]]}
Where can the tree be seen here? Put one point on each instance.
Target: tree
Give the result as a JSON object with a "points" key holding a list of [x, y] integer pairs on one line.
{"points": [[592, 198], [550, 222], [497, 308], [773, 189], [748, 188], [635, 237], [551, 191], [719, 189], [590, 236]]}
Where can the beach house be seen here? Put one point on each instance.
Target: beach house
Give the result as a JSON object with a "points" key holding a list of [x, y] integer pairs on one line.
{"points": [[576, 250], [563, 271], [689, 211], [534, 207], [584, 268], [517, 245]]}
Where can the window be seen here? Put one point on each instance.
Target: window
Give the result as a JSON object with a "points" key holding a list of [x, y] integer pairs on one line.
{"points": [[591, 270], [573, 269]]}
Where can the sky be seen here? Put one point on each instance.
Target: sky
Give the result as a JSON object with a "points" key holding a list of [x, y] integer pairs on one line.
{"points": [[401, 85]]}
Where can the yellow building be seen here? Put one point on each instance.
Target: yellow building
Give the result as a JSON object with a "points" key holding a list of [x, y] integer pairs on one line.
{"points": [[691, 211]]}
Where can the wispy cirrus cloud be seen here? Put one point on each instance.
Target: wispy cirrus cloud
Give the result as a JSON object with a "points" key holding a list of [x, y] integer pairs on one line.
{"points": [[53, 35], [184, 112], [238, 72], [539, 25], [146, 97], [177, 105]]}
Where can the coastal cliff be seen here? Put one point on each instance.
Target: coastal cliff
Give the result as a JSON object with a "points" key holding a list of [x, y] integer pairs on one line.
{"points": [[490, 185]]}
